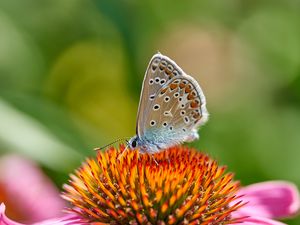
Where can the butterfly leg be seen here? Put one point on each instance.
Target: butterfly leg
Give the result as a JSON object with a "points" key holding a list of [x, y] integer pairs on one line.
{"points": [[121, 155], [154, 160]]}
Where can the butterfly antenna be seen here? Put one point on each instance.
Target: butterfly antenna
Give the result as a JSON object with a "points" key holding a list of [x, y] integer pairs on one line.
{"points": [[110, 144]]}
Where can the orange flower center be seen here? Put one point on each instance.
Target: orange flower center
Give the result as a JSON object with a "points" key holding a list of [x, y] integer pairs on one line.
{"points": [[178, 185]]}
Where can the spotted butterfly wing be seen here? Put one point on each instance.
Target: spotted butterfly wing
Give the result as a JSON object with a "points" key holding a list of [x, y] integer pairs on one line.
{"points": [[173, 109], [157, 75]]}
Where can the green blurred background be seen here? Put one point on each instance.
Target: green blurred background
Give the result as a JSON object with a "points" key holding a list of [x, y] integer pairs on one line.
{"points": [[71, 73]]}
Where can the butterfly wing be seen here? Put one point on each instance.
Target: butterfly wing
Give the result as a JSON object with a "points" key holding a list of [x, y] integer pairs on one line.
{"points": [[177, 109], [158, 73], [176, 114]]}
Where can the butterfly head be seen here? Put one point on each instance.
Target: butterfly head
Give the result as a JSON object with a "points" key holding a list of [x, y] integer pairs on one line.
{"points": [[134, 142]]}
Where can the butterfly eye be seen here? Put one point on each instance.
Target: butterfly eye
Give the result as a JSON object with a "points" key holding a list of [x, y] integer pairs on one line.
{"points": [[134, 143]]}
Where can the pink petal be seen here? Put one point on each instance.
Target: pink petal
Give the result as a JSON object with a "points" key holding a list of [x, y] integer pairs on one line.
{"points": [[260, 221], [66, 220], [274, 199], [3, 219], [27, 191], [69, 219]]}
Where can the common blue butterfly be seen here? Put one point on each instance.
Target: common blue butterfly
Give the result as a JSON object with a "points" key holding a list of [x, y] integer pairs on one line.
{"points": [[172, 107]]}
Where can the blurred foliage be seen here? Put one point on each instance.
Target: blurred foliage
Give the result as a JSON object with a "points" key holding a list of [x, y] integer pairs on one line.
{"points": [[71, 74]]}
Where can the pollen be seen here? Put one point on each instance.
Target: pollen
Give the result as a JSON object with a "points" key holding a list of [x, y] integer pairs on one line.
{"points": [[175, 186]]}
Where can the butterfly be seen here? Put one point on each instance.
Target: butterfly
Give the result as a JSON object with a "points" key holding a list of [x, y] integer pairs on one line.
{"points": [[172, 107]]}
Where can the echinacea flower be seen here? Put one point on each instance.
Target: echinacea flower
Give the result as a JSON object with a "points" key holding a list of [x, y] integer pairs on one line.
{"points": [[176, 186]]}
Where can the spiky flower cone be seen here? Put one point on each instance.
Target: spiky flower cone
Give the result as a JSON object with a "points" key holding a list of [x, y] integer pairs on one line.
{"points": [[181, 186]]}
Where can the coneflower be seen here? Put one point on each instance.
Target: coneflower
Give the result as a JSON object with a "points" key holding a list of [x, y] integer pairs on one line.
{"points": [[176, 186]]}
